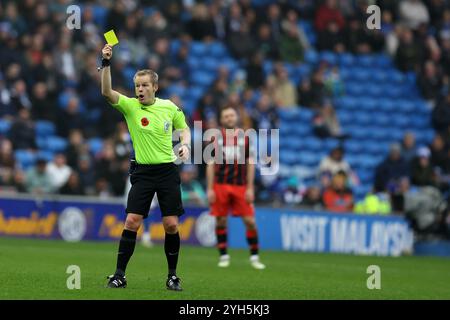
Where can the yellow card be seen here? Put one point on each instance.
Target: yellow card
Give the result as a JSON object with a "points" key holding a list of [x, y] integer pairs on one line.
{"points": [[111, 38]]}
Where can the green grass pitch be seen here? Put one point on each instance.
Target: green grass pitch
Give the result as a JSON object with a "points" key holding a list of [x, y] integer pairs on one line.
{"points": [[36, 269]]}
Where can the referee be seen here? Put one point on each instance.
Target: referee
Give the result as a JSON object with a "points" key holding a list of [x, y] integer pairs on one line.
{"points": [[150, 121]]}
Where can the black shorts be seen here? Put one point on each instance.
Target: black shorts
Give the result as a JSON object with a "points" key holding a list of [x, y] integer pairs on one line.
{"points": [[162, 179]]}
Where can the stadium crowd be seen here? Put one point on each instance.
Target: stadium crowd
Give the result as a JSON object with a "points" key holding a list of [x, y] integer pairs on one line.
{"points": [[48, 72]]}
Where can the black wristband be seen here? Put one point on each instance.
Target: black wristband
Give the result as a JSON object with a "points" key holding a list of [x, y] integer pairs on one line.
{"points": [[106, 62]]}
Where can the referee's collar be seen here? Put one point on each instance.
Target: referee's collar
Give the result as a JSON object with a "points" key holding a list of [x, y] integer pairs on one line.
{"points": [[143, 106]]}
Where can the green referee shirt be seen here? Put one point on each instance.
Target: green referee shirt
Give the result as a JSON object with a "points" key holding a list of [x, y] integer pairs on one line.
{"points": [[151, 128]]}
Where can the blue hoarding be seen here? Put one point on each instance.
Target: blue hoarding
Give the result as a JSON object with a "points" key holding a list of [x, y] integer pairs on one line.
{"points": [[75, 219]]}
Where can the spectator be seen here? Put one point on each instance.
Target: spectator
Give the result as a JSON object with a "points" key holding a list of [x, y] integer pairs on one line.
{"points": [[38, 180], [408, 55], [267, 44], [291, 49], [43, 106], [441, 114], [439, 157], [326, 124], [422, 173], [334, 163], [413, 13], [291, 21], [333, 82], [86, 174], [391, 170], [201, 26], [313, 198], [374, 203], [72, 186], [409, 146], [241, 43], [19, 181], [284, 89], [331, 38], [255, 72], [191, 189], [19, 96], [71, 118], [75, 147], [356, 37], [292, 194], [305, 95], [338, 198], [264, 116], [329, 12], [58, 171], [430, 82], [22, 132]]}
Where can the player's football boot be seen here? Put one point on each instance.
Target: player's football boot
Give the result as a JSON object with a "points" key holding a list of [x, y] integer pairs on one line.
{"points": [[174, 283], [254, 261], [224, 261], [116, 281]]}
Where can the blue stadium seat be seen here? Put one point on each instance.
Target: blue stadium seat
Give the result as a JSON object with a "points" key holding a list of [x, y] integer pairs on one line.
{"points": [[309, 159], [346, 102], [291, 114], [56, 144], [202, 78], [100, 13], [383, 61], [365, 61], [353, 146], [288, 157], [95, 145], [47, 155], [361, 74], [194, 62], [312, 143], [5, 125], [346, 59], [189, 106], [25, 158], [329, 57], [209, 63], [176, 89], [374, 90], [379, 76], [41, 142], [311, 57], [405, 106], [363, 118], [45, 128], [386, 105], [217, 50], [355, 88], [198, 49]]}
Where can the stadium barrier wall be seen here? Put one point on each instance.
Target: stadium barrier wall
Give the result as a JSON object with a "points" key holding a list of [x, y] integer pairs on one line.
{"points": [[80, 218]]}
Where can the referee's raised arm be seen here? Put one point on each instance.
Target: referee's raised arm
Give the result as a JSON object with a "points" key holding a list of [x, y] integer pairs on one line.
{"points": [[107, 91]]}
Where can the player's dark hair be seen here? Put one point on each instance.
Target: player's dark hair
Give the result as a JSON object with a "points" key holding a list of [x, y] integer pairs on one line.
{"points": [[144, 72]]}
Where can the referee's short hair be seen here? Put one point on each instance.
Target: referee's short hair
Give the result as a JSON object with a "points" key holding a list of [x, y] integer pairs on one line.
{"points": [[144, 72]]}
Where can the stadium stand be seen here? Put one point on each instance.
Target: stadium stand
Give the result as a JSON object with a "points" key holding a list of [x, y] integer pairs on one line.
{"points": [[372, 81]]}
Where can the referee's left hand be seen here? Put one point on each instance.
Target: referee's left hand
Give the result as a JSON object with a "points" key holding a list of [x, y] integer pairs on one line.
{"points": [[183, 153]]}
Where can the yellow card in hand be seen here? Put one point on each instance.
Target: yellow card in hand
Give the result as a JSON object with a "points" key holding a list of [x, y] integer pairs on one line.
{"points": [[111, 38]]}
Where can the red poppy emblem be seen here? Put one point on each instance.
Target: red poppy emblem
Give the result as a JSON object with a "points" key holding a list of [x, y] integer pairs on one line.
{"points": [[144, 122]]}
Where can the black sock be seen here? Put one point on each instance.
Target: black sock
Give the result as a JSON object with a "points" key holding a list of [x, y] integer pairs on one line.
{"points": [[252, 240], [172, 248], [221, 234], [126, 249]]}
